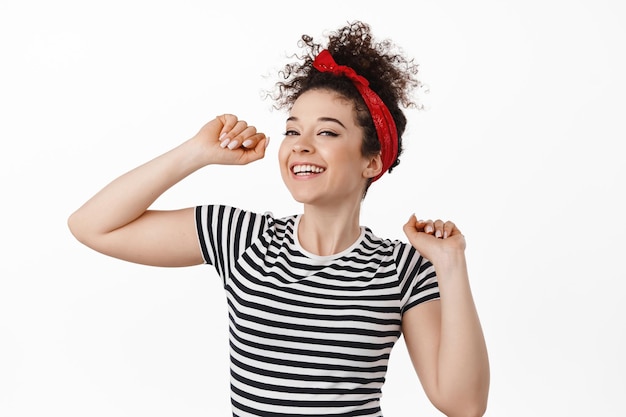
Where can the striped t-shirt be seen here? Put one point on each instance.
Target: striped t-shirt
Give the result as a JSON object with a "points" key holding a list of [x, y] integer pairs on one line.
{"points": [[309, 335]]}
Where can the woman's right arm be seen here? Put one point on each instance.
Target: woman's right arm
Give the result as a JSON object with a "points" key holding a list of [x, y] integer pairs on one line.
{"points": [[117, 220]]}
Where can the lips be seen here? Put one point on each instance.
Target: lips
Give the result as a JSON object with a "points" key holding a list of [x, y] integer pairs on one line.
{"points": [[302, 170]]}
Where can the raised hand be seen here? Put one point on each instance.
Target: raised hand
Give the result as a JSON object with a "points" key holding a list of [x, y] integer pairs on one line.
{"points": [[226, 140], [438, 241]]}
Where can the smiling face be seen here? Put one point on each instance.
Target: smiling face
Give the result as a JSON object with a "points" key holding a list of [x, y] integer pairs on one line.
{"points": [[320, 157]]}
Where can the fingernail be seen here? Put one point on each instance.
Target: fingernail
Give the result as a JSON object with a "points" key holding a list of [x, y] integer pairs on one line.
{"points": [[445, 234], [438, 233], [428, 229], [224, 142], [267, 141], [233, 144], [222, 136], [246, 143]]}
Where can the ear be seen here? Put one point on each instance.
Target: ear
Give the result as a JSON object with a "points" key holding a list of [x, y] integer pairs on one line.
{"points": [[374, 166]]}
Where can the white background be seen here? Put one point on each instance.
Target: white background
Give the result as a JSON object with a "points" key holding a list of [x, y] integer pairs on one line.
{"points": [[521, 145]]}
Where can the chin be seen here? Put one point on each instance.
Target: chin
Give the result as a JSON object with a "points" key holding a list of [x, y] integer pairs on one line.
{"points": [[302, 198]]}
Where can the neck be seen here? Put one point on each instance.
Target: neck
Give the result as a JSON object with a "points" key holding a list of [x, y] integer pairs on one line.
{"points": [[329, 230]]}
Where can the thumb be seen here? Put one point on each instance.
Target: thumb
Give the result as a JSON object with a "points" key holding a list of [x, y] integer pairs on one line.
{"points": [[410, 227], [258, 152], [414, 231]]}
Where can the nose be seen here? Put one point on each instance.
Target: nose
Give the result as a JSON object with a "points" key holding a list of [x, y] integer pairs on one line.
{"points": [[299, 148], [302, 144]]}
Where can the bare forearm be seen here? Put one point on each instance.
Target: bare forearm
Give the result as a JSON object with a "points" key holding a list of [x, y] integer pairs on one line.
{"points": [[129, 196], [463, 375], [117, 220]]}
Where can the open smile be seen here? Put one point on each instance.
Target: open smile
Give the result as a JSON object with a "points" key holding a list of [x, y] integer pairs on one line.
{"points": [[301, 170]]}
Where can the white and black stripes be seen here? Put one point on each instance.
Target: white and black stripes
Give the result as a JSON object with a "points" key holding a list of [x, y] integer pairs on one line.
{"points": [[309, 335]]}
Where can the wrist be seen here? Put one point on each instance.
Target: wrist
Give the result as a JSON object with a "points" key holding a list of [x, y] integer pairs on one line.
{"points": [[450, 262], [193, 155]]}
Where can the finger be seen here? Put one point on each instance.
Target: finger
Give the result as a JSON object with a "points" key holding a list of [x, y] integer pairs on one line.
{"points": [[412, 222], [421, 225], [258, 151], [232, 127], [237, 135], [228, 123], [412, 226], [262, 142], [414, 231], [448, 229], [240, 127], [428, 226], [236, 129], [438, 225], [248, 135], [253, 141]]}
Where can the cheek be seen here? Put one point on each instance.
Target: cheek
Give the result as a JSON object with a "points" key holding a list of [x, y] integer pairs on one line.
{"points": [[283, 152], [348, 157]]}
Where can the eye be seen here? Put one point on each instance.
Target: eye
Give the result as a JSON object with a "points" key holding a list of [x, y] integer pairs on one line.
{"points": [[328, 133], [291, 132]]}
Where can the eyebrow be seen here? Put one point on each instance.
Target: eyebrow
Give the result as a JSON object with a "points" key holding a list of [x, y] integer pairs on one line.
{"points": [[321, 119]]}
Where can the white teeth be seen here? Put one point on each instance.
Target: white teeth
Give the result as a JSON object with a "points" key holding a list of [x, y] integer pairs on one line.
{"points": [[306, 169]]}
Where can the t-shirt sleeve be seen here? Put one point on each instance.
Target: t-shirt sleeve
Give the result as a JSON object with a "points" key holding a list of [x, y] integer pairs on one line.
{"points": [[418, 277], [224, 233]]}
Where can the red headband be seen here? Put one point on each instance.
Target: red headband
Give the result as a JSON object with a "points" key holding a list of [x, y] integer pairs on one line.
{"points": [[383, 122]]}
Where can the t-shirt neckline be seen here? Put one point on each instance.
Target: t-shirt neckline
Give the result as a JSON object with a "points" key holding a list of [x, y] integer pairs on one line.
{"points": [[311, 255]]}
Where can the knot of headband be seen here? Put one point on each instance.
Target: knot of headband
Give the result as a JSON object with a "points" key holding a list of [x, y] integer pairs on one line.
{"points": [[383, 122]]}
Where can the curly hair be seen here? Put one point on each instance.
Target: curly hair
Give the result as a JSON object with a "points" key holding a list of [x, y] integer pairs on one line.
{"points": [[390, 74]]}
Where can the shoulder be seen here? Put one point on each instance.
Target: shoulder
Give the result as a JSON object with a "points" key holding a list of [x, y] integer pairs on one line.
{"points": [[374, 243], [402, 253], [230, 213], [238, 220]]}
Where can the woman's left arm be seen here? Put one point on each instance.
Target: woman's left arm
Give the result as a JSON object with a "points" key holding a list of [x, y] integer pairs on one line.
{"points": [[444, 337]]}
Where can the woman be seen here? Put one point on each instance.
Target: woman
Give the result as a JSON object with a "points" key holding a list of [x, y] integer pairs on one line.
{"points": [[316, 301]]}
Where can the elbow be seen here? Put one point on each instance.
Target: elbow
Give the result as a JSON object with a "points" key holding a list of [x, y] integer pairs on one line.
{"points": [[465, 403], [473, 408], [73, 225], [78, 228], [465, 412]]}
